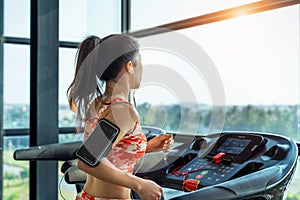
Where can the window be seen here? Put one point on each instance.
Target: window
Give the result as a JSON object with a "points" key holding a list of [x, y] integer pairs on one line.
{"points": [[15, 173], [66, 75], [144, 14], [17, 18], [259, 71], [66, 190], [78, 19], [257, 59], [16, 86]]}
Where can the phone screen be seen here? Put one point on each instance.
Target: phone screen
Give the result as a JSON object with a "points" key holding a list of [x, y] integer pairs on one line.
{"points": [[99, 143]]}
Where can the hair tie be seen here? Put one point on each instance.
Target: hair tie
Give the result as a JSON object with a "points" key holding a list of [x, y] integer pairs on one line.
{"points": [[97, 41]]}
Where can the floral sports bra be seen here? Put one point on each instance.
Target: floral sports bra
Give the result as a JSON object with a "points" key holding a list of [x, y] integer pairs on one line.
{"points": [[125, 154]]}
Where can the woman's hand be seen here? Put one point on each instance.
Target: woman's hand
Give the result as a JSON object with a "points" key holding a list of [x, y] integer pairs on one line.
{"points": [[149, 190], [163, 142]]}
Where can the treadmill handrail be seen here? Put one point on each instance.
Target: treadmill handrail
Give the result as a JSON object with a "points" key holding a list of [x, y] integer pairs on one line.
{"points": [[57, 151]]}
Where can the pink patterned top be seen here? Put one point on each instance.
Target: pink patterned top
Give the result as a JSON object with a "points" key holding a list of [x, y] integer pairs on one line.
{"points": [[125, 154]]}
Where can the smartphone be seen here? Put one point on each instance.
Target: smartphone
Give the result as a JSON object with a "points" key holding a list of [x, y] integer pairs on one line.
{"points": [[98, 144]]}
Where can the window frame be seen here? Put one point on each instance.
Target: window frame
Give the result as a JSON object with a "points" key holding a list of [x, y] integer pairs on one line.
{"points": [[251, 8]]}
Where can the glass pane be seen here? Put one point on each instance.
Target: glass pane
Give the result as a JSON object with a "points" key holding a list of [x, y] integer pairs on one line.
{"points": [[16, 87], [259, 71], [257, 59], [70, 137], [17, 18], [78, 19], [170, 91], [66, 75], [67, 191], [293, 191], [15, 173], [144, 12]]}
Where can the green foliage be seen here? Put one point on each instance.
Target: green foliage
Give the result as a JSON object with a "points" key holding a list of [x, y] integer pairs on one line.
{"points": [[16, 116], [16, 190], [292, 196], [189, 117], [24, 173], [10, 176], [274, 119], [281, 120], [13, 196]]}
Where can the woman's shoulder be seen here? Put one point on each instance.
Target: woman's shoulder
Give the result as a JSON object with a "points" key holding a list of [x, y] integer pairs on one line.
{"points": [[124, 115], [119, 111]]}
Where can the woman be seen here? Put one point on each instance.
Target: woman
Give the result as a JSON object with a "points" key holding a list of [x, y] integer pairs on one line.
{"points": [[115, 64]]}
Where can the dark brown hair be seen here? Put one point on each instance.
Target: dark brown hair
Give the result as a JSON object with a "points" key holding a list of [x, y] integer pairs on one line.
{"points": [[91, 74]]}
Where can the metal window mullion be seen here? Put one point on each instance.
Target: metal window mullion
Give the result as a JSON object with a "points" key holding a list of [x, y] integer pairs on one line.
{"points": [[15, 132], [25, 132], [125, 16], [66, 44], [44, 95], [1, 96], [26, 41], [16, 40], [230, 13]]}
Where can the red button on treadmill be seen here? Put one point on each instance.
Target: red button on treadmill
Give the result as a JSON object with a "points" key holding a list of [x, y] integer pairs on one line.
{"points": [[199, 176]]}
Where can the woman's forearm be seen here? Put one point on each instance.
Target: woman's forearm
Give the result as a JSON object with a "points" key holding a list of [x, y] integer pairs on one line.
{"points": [[109, 173], [106, 171]]}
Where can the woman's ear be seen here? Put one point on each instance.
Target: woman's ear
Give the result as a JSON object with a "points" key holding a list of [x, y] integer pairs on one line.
{"points": [[129, 67]]}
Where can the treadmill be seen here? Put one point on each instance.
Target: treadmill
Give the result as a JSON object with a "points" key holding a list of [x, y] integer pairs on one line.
{"points": [[225, 165]]}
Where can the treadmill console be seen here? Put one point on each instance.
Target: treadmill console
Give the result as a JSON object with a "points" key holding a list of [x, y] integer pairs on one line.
{"points": [[220, 158], [237, 147], [223, 162]]}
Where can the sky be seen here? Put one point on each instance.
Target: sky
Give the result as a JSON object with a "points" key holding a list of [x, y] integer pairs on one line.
{"points": [[255, 56]]}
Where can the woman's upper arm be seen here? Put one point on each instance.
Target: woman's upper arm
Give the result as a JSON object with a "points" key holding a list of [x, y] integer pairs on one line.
{"points": [[123, 116]]}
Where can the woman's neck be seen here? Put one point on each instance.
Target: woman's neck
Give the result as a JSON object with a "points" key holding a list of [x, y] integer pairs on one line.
{"points": [[113, 91]]}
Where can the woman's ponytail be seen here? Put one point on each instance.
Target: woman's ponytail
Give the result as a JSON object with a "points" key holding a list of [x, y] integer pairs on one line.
{"points": [[84, 49]]}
